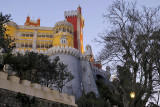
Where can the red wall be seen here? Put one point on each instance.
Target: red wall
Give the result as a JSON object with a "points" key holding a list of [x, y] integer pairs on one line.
{"points": [[73, 20]]}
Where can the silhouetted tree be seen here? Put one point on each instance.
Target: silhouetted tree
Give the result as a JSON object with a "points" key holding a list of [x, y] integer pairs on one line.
{"points": [[134, 43]]}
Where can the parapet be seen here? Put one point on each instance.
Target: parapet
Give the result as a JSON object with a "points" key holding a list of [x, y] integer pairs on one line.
{"points": [[70, 13], [65, 50], [55, 50], [63, 23], [14, 84]]}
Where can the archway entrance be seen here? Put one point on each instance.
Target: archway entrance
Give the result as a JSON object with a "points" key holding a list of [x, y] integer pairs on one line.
{"points": [[100, 78]]}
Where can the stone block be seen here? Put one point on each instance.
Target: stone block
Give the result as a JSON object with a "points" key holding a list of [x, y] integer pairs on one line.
{"points": [[55, 94], [35, 85], [3, 75], [46, 89], [39, 93], [26, 82], [72, 99], [14, 79], [64, 97]]}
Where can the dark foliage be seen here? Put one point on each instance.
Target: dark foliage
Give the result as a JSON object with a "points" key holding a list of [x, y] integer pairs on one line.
{"points": [[90, 100], [26, 101]]}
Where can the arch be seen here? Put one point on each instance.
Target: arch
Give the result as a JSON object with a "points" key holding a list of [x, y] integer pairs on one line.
{"points": [[100, 78]]}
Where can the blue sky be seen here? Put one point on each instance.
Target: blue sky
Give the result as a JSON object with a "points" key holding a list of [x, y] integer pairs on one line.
{"points": [[52, 11]]}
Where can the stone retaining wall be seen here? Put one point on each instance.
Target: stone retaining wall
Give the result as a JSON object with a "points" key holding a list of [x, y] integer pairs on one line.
{"points": [[13, 83]]}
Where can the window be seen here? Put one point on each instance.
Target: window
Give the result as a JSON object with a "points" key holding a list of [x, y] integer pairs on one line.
{"points": [[46, 45], [67, 29], [50, 45], [38, 45], [42, 45], [57, 30], [22, 44], [31, 35], [64, 29], [51, 36], [26, 45], [30, 45], [63, 40]]}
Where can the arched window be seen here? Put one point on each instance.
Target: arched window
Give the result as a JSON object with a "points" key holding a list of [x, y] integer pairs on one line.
{"points": [[30, 45], [68, 30], [46, 45], [57, 30], [38, 45], [63, 40], [64, 29], [22, 44], [42, 45], [26, 45], [50, 45]]}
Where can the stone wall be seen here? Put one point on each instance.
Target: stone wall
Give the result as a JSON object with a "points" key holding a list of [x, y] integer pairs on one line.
{"points": [[14, 85], [14, 99]]}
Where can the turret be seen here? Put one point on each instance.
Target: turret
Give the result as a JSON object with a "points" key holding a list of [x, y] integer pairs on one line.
{"points": [[88, 52], [32, 22], [63, 34], [38, 22]]}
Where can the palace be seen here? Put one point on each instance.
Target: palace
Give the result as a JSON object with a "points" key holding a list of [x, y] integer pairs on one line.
{"points": [[32, 36], [65, 40]]}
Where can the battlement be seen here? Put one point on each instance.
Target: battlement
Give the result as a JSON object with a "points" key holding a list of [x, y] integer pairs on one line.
{"points": [[70, 13], [63, 23], [65, 50], [14, 84], [55, 50]]}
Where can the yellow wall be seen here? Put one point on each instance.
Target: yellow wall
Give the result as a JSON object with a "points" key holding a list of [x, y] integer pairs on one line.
{"points": [[58, 36], [12, 31], [54, 41]]}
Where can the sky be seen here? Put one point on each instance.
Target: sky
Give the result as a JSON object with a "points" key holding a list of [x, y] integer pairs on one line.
{"points": [[52, 11]]}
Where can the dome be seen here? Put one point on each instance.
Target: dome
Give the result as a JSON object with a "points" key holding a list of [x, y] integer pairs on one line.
{"points": [[11, 23]]}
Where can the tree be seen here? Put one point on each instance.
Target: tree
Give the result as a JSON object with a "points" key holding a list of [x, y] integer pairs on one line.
{"points": [[38, 68], [6, 42], [47, 70], [133, 42], [90, 100], [23, 65], [63, 76]]}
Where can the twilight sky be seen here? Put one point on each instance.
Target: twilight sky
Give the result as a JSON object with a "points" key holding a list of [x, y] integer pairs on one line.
{"points": [[52, 11]]}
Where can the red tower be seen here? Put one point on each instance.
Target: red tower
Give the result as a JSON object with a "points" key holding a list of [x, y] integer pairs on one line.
{"points": [[75, 17]]}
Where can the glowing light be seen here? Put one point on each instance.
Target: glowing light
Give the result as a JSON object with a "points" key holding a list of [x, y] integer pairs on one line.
{"points": [[132, 95]]}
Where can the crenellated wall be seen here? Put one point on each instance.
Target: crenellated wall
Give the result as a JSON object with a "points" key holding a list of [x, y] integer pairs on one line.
{"points": [[13, 83], [56, 49]]}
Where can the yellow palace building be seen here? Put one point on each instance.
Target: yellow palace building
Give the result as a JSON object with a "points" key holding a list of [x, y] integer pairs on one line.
{"points": [[32, 36]]}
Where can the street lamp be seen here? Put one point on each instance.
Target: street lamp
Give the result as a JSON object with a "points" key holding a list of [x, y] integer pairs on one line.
{"points": [[132, 94]]}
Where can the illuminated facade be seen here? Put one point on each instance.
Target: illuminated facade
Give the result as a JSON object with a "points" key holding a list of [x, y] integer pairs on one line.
{"points": [[32, 36]]}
